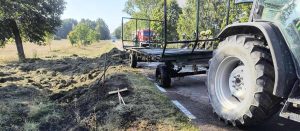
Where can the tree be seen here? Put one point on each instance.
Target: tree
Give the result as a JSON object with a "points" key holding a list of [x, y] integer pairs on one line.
{"points": [[212, 15], [92, 24], [83, 35], [118, 32], [28, 20], [57, 37], [145, 6], [48, 39], [65, 28], [99, 26], [102, 29], [173, 13]]}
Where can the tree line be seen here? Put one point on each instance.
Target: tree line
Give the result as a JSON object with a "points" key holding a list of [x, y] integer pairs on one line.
{"points": [[69, 25], [212, 16]]}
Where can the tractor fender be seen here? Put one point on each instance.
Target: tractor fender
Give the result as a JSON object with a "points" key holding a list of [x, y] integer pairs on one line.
{"points": [[285, 72]]}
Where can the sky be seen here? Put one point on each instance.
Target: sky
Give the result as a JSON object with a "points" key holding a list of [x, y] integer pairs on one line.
{"points": [[111, 11]]}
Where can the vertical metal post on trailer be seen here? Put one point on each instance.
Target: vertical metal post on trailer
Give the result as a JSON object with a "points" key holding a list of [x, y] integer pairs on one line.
{"points": [[149, 33], [165, 20], [136, 33], [197, 26], [228, 9]]}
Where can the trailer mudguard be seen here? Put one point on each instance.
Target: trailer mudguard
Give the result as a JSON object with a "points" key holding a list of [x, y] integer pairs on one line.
{"points": [[285, 71]]}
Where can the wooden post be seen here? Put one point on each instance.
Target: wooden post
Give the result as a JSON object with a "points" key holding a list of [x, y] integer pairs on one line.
{"points": [[104, 70]]}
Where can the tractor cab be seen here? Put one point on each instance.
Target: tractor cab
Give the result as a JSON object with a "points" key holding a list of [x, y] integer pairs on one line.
{"points": [[284, 14]]}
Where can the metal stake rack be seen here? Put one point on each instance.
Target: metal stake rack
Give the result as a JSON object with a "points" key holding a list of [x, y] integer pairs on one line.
{"points": [[179, 57]]}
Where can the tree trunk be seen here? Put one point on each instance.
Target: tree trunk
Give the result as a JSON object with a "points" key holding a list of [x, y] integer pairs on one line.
{"points": [[18, 40]]}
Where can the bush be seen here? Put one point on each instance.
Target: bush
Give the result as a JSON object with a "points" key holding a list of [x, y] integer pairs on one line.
{"points": [[31, 126], [35, 54], [57, 37]]}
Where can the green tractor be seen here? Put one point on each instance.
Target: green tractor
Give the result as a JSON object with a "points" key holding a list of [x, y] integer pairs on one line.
{"points": [[256, 65]]}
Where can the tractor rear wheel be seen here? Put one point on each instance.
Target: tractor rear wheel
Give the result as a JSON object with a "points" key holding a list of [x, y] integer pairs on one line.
{"points": [[241, 80]]}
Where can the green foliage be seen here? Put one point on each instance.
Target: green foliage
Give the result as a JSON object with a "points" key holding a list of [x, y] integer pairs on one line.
{"points": [[48, 39], [31, 126], [28, 20], [99, 26], [65, 28], [138, 9], [173, 13], [238, 12], [145, 6], [34, 19], [83, 35], [118, 32], [42, 111], [212, 15], [35, 54], [56, 37]]}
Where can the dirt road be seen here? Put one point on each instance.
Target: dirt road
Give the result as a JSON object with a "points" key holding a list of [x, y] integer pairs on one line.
{"points": [[191, 93], [119, 44]]}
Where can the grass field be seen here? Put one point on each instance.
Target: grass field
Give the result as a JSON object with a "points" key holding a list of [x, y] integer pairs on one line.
{"points": [[59, 48], [61, 91]]}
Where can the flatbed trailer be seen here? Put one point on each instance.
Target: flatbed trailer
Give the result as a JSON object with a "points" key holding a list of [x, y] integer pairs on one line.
{"points": [[172, 57], [176, 56]]}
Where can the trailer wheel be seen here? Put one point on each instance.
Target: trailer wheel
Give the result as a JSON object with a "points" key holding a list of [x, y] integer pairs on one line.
{"points": [[241, 80], [163, 76], [133, 60]]}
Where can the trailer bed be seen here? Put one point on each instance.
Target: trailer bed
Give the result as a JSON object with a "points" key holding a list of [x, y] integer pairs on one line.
{"points": [[175, 55], [172, 52]]}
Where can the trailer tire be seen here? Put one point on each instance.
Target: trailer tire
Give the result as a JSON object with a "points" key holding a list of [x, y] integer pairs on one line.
{"points": [[163, 76], [133, 60], [242, 100]]}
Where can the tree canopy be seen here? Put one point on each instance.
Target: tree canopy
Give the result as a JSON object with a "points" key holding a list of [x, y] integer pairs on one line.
{"points": [[118, 32], [137, 6], [68, 25], [83, 35], [173, 13], [138, 9], [65, 28], [28, 20], [212, 16], [99, 26]]}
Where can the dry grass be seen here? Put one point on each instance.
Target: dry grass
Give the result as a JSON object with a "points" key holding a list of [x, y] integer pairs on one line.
{"points": [[10, 54], [25, 104], [63, 47]]}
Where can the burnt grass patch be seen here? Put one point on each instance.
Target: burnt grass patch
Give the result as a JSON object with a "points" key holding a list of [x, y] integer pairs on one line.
{"points": [[83, 102], [90, 107]]}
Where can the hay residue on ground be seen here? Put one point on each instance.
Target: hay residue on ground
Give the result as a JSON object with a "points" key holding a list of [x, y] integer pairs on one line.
{"points": [[66, 93]]}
